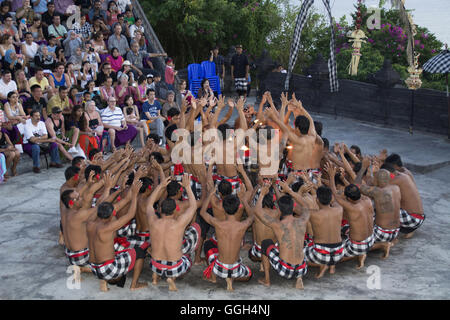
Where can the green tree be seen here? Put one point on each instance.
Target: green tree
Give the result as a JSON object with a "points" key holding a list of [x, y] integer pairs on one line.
{"points": [[189, 29]]}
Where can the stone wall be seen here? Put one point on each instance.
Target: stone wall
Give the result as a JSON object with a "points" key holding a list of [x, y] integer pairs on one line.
{"points": [[367, 102]]}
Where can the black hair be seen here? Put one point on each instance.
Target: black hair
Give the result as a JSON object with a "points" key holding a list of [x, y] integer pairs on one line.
{"points": [[77, 160], [65, 197], [146, 182], [357, 167], [298, 184], [70, 172], [324, 195], [149, 90], [93, 152], [168, 206], [224, 129], [286, 206], [319, 127], [129, 110], [357, 149], [34, 87], [156, 139], [268, 200], [388, 166], [104, 210], [225, 188], [130, 179], [172, 188], [158, 157], [394, 159], [91, 167], [352, 192], [173, 112], [326, 143], [169, 131], [302, 123], [231, 204]]}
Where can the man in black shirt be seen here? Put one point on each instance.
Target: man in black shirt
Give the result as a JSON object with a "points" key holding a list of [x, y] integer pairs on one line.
{"points": [[239, 71], [47, 17], [36, 102], [219, 61], [5, 8], [104, 74]]}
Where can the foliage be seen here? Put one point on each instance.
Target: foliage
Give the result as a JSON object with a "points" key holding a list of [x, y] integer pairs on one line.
{"points": [[190, 28]]}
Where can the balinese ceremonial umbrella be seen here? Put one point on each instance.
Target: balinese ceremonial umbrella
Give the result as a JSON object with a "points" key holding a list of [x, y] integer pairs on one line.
{"points": [[441, 64]]}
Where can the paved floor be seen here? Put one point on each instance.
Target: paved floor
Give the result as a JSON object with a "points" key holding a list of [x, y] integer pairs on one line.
{"points": [[33, 266]]}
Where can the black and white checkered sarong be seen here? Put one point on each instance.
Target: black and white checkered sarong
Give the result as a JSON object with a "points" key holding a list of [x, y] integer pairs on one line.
{"points": [[196, 188], [115, 268], [255, 251], [128, 229], [320, 254], [171, 269], [190, 239], [410, 221], [358, 248], [283, 268], [77, 258], [240, 84], [384, 235]]}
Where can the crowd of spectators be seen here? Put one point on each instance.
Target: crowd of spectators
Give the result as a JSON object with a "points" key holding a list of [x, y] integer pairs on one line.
{"points": [[69, 86]]}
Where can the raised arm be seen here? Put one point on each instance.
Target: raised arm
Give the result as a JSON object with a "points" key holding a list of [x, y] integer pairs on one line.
{"points": [[260, 213]]}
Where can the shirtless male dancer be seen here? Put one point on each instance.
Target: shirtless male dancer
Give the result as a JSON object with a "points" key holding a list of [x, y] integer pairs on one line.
{"points": [[411, 211], [358, 211], [287, 258], [77, 213], [107, 264], [387, 198], [303, 139], [223, 258], [172, 243], [328, 248]]}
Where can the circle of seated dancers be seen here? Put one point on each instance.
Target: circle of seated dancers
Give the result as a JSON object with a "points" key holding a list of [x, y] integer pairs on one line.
{"points": [[321, 205]]}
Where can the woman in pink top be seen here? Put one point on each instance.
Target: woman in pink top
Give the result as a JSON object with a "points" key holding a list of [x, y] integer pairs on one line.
{"points": [[115, 59], [107, 91], [124, 89]]}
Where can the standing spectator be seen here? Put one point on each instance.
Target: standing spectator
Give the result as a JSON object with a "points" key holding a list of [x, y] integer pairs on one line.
{"points": [[239, 71], [170, 73], [35, 138], [161, 88], [40, 6], [151, 111], [119, 41], [219, 61]]}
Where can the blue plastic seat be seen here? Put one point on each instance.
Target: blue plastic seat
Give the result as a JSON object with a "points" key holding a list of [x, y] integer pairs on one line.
{"points": [[209, 72]]}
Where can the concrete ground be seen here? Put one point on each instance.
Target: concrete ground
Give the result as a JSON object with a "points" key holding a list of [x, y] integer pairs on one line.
{"points": [[33, 265]]}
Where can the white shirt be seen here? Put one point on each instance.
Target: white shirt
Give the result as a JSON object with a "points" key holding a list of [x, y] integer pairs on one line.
{"points": [[133, 29], [31, 50], [7, 88], [112, 118], [31, 130]]}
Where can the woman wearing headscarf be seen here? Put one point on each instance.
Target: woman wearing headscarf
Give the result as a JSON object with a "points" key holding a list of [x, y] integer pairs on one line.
{"points": [[44, 59]]}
